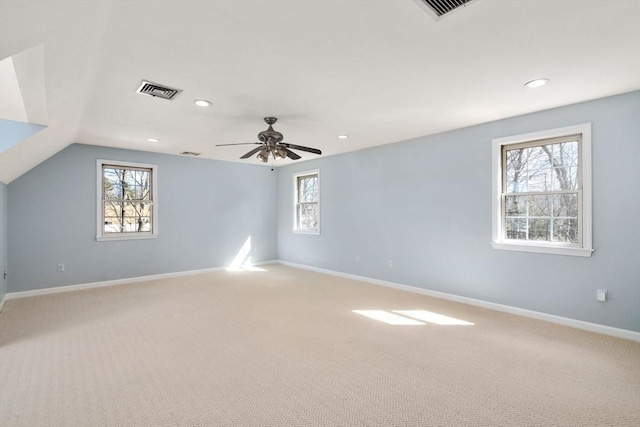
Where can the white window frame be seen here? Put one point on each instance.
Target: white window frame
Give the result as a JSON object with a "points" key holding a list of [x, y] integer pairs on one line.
{"points": [[499, 240], [100, 235], [295, 201]]}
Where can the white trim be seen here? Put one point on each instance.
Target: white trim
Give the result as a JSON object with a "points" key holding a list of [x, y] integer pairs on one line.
{"points": [[559, 250], [100, 237], [3, 302], [497, 238], [565, 321], [295, 201], [70, 288], [125, 236]]}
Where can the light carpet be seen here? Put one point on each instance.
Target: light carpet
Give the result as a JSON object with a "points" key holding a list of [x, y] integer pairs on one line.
{"points": [[283, 347]]}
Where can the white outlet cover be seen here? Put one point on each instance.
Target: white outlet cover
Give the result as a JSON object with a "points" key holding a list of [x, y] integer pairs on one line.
{"points": [[601, 295]]}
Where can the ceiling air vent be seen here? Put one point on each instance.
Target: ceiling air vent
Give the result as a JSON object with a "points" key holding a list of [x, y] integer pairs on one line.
{"points": [[439, 8], [157, 91], [190, 153]]}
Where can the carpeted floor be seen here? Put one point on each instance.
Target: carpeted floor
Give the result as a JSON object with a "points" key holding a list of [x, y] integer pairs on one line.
{"points": [[283, 347]]}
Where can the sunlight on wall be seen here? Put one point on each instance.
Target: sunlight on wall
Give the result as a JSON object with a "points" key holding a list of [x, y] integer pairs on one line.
{"points": [[242, 261], [242, 257], [413, 317], [430, 317]]}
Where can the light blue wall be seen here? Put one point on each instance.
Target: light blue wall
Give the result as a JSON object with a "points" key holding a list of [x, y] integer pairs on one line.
{"points": [[3, 239], [206, 211], [426, 205], [12, 132]]}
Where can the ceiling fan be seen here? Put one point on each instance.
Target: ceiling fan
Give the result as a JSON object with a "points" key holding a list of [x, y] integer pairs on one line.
{"points": [[271, 145]]}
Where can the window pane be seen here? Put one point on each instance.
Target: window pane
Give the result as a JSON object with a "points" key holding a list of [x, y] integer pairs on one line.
{"points": [[308, 216], [565, 178], [516, 228], [112, 183], [565, 205], [548, 167], [565, 230], [112, 217], [308, 189], [528, 206], [537, 157], [140, 185], [539, 229], [516, 206], [539, 206], [516, 181], [528, 217], [539, 180], [566, 153], [124, 184], [127, 217]]}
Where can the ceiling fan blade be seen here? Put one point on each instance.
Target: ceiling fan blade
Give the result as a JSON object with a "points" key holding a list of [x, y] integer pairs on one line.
{"points": [[239, 143], [301, 148], [251, 153], [291, 154]]}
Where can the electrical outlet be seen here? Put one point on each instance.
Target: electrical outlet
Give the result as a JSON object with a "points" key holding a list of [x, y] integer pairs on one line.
{"points": [[357, 258], [601, 295], [390, 263], [60, 268]]}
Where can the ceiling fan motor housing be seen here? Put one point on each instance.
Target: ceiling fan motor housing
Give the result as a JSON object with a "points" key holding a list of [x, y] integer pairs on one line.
{"points": [[270, 136]]}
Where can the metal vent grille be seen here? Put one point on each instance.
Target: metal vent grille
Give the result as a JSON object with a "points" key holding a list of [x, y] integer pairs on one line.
{"points": [[157, 91], [190, 153], [438, 8]]}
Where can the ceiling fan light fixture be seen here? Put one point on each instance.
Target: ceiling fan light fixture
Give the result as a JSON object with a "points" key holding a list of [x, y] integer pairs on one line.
{"points": [[279, 153], [202, 102], [263, 155]]}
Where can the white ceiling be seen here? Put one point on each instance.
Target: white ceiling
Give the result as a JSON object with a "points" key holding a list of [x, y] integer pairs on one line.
{"points": [[380, 71]]}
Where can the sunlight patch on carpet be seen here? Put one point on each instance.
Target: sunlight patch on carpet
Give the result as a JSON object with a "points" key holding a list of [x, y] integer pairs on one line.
{"points": [[430, 317], [386, 317]]}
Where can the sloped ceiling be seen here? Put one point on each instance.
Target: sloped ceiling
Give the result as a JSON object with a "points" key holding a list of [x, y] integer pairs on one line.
{"points": [[380, 71]]}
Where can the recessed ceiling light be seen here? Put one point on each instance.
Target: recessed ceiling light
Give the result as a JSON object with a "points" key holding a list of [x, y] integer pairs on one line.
{"points": [[343, 136], [153, 140], [202, 102], [536, 83]]}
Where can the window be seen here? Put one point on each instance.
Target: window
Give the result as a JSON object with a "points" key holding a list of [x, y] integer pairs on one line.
{"points": [[307, 202], [126, 200], [542, 192]]}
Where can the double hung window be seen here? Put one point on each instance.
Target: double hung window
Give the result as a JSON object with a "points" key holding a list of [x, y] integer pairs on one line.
{"points": [[307, 202], [126, 200], [542, 192]]}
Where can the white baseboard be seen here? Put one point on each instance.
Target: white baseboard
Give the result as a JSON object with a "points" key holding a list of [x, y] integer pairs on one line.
{"points": [[69, 288], [579, 324]]}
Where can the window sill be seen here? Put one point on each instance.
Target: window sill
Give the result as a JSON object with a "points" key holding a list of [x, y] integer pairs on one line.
{"points": [[306, 232], [126, 237], [553, 250]]}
